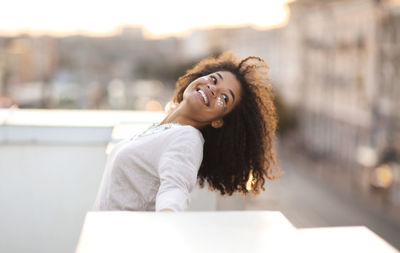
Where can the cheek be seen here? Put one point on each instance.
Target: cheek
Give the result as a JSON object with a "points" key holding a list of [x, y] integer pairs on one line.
{"points": [[184, 95], [186, 92]]}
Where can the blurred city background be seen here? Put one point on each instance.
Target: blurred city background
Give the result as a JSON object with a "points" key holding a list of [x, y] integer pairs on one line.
{"points": [[68, 95]]}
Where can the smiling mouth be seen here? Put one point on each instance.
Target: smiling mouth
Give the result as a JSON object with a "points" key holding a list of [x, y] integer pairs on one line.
{"points": [[204, 96]]}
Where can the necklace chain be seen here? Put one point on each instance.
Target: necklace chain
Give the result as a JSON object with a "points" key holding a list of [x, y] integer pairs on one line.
{"points": [[155, 128]]}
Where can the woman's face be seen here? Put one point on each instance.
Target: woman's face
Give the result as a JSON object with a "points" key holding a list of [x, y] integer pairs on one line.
{"points": [[211, 97]]}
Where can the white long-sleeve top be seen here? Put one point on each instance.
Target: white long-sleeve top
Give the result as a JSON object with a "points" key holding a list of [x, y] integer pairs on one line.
{"points": [[152, 172]]}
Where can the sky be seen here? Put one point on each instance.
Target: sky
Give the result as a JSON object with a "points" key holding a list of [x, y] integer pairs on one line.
{"points": [[159, 18]]}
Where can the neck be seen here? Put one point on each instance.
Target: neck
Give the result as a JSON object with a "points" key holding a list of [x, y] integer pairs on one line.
{"points": [[178, 115]]}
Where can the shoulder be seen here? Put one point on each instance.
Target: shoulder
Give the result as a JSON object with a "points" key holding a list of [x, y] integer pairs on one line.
{"points": [[184, 144], [187, 134]]}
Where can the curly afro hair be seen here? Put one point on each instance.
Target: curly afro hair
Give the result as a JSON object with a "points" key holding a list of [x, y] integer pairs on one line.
{"points": [[238, 156]]}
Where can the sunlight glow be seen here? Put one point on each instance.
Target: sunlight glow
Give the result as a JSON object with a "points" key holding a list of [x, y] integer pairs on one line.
{"points": [[159, 18]]}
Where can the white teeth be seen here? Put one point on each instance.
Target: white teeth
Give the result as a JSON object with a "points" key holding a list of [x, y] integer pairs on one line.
{"points": [[204, 96]]}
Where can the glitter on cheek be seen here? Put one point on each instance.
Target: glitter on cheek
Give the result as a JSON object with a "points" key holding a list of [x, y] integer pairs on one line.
{"points": [[220, 103]]}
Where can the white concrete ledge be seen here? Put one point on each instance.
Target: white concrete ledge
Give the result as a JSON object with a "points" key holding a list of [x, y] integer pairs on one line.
{"points": [[56, 117], [55, 134], [71, 126], [238, 231]]}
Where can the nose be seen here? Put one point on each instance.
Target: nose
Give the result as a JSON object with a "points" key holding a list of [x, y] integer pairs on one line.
{"points": [[212, 89]]}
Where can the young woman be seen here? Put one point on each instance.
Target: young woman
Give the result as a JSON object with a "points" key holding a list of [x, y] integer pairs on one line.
{"points": [[219, 131]]}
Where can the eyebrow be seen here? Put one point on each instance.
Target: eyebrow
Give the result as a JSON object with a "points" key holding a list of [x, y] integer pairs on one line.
{"points": [[232, 94]]}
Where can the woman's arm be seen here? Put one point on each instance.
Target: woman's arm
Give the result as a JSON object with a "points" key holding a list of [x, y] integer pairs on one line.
{"points": [[178, 169]]}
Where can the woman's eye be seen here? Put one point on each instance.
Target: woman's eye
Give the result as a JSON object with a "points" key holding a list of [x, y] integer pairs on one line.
{"points": [[225, 97], [214, 79]]}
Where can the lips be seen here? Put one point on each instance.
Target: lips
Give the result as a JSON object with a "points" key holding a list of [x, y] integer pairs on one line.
{"points": [[205, 96]]}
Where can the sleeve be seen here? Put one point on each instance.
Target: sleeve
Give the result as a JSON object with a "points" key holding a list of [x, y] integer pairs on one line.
{"points": [[178, 168]]}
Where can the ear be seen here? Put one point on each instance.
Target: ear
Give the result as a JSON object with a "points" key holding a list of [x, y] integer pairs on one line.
{"points": [[217, 123]]}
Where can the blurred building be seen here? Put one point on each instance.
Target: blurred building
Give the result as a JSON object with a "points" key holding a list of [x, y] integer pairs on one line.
{"points": [[387, 103], [27, 67], [93, 65], [80, 71], [342, 65], [244, 41]]}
